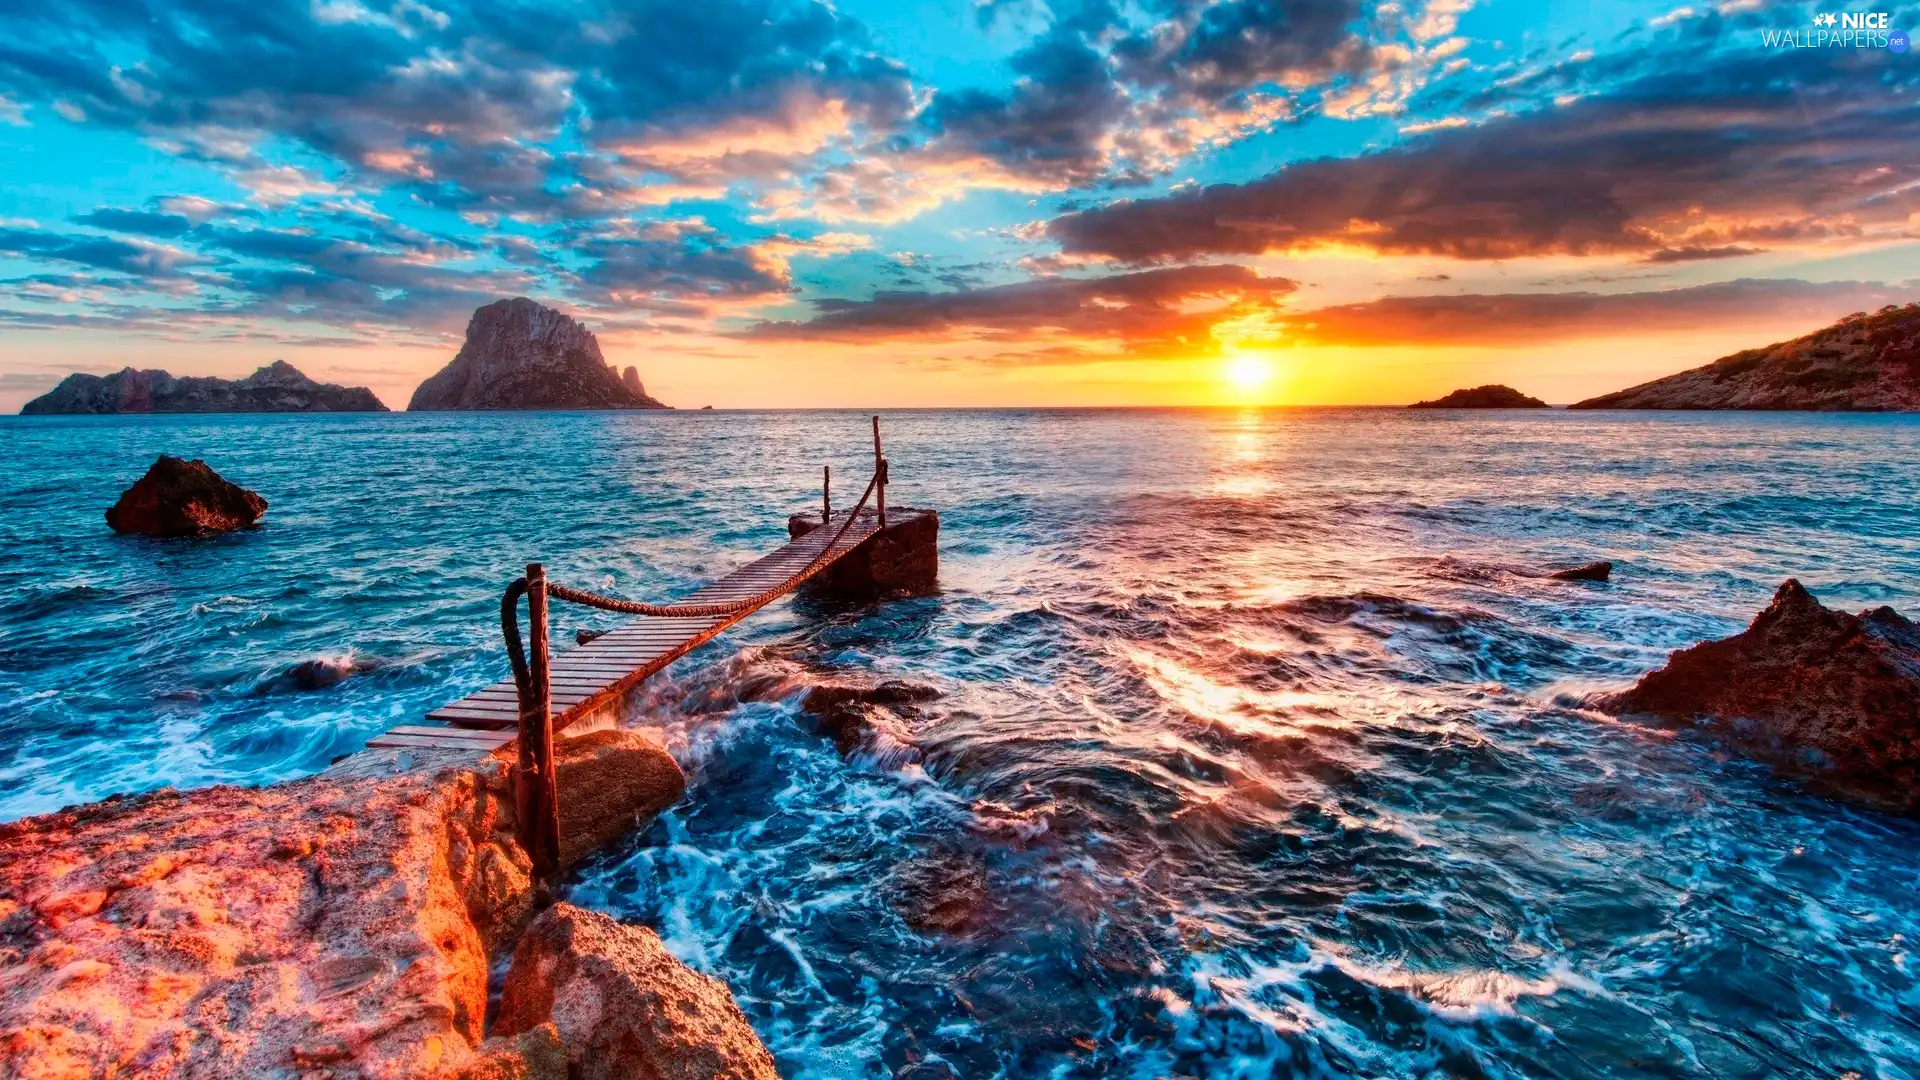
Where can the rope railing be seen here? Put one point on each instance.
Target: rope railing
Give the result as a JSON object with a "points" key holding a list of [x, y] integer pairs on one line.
{"points": [[536, 801]]}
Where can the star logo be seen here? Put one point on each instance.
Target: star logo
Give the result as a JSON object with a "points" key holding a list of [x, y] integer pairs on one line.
{"points": [[1824, 20]]}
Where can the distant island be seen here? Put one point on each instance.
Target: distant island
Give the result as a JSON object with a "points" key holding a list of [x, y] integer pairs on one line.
{"points": [[523, 355], [277, 388], [1863, 363], [1490, 396]]}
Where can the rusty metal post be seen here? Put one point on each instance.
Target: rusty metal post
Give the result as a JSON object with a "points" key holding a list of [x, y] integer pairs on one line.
{"points": [[880, 471], [826, 494], [536, 780]]}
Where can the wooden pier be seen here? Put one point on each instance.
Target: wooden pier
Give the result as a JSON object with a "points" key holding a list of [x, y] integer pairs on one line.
{"points": [[549, 692]]}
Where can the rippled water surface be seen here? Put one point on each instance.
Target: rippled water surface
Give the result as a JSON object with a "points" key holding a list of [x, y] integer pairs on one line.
{"points": [[1254, 754]]}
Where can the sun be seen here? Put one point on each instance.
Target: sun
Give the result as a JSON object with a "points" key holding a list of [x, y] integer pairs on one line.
{"points": [[1248, 374]]}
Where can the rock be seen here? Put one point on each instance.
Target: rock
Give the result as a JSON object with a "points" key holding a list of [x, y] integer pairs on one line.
{"points": [[630, 378], [344, 922], [278, 387], [324, 671], [535, 1054], [611, 783], [1593, 571], [944, 892], [326, 923], [869, 718], [901, 560], [1863, 362], [184, 498], [1490, 396], [521, 355], [624, 1007], [1822, 691]]}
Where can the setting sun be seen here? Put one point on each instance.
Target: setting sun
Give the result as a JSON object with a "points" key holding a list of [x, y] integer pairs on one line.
{"points": [[1249, 373]]}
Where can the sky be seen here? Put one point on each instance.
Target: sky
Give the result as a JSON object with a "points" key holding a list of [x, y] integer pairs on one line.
{"points": [[762, 203]]}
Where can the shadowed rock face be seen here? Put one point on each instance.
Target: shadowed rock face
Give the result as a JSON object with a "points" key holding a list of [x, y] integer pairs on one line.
{"points": [[183, 498], [623, 1006], [1863, 363], [1821, 691], [521, 355], [1490, 396], [901, 560], [340, 925], [278, 387]]}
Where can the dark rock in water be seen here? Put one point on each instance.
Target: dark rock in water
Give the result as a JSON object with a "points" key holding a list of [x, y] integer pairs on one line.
{"points": [[324, 671], [583, 635], [943, 892], [521, 355], [706, 408], [1490, 396], [184, 498], [278, 387], [623, 1006], [869, 718], [1821, 691], [1593, 571], [1863, 363]]}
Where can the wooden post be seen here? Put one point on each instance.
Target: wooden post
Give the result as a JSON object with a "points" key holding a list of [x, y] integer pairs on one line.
{"points": [[880, 471], [536, 781], [826, 494]]}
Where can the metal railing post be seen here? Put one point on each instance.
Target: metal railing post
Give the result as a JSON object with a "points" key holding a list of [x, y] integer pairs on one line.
{"points": [[879, 472], [536, 780]]}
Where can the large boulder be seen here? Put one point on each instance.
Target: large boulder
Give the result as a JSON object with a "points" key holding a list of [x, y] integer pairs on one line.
{"points": [[611, 783], [184, 498], [624, 1007], [1833, 694], [523, 355], [278, 387]]}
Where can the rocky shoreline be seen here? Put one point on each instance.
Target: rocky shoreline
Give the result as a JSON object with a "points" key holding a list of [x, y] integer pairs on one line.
{"points": [[344, 925]]}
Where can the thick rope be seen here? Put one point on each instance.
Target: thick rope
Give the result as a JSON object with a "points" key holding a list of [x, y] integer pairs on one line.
{"points": [[716, 610]]}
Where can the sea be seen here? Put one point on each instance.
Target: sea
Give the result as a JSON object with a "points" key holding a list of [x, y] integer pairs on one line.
{"points": [[1257, 748]]}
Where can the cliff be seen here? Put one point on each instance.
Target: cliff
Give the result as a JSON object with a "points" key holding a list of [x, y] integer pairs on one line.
{"points": [[278, 387], [521, 355], [1491, 396], [1863, 363]]}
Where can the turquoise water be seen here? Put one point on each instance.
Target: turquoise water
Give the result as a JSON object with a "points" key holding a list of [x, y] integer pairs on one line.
{"points": [[1253, 755]]}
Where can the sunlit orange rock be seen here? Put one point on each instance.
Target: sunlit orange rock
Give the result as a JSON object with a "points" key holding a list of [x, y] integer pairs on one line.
{"points": [[624, 1007], [338, 925]]}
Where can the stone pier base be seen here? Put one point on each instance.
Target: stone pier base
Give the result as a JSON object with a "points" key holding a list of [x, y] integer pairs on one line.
{"points": [[899, 561]]}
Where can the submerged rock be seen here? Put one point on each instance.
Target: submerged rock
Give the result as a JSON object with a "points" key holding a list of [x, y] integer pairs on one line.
{"points": [[1813, 689], [184, 498], [523, 355], [324, 671], [623, 1006], [338, 925], [1593, 571], [1490, 396], [278, 387], [869, 717]]}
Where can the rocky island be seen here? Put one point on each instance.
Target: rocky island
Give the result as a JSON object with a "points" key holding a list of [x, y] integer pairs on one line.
{"points": [[278, 387], [1491, 396], [523, 355], [1863, 363]]}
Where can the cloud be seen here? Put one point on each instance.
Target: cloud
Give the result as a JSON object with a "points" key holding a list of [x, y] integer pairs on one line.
{"points": [[1532, 318], [142, 222], [1178, 311], [1702, 158], [136, 258]]}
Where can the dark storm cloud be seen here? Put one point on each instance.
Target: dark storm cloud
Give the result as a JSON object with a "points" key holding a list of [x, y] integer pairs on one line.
{"points": [[140, 222], [446, 94], [1752, 149], [1098, 101], [1149, 313], [133, 257], [1530, 318]]}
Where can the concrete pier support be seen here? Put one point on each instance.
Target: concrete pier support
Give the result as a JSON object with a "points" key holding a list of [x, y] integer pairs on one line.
{"points": [[900, 560]]}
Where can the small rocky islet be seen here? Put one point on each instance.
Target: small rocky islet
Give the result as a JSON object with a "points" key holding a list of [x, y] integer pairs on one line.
{"points": [[1490, 396], [277, 388], [522, 355]]}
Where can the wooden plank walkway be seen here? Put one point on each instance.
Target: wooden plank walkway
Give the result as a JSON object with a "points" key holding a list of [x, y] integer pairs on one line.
{"points": [[605, 669]]}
